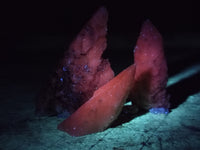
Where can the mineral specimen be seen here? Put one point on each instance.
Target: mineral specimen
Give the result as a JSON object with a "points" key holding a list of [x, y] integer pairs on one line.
{"points": [[83, 87], [81, 72], [103, 108], [151, 70]]}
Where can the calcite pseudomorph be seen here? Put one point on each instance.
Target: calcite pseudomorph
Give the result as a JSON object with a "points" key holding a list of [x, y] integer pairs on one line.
{"points": [[149, 89], [144, 83], [81, 72], [84, 88]]}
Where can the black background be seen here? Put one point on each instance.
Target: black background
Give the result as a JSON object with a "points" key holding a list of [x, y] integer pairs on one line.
{"points": [[39, 32], [19, 19]]}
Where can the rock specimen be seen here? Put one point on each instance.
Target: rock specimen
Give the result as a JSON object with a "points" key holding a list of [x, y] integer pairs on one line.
{"points": [[146, 87], [83, 86], [105, 105], [151, 70], [81, 72]]}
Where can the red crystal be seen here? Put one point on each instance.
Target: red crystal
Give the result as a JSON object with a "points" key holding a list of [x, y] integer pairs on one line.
{"points": [[151, 69], [80, 72], [103, 108]]}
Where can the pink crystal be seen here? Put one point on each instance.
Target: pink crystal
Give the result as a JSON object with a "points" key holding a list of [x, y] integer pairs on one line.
{"points": [[81, 71], [151, 69], [103, 107]]}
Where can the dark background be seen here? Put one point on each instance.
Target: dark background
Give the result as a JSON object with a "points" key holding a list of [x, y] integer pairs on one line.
{"points": [[32, 18], [27, 18], [36, 33]]}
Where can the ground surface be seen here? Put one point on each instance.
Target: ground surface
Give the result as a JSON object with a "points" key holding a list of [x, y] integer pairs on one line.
{"points": [[26, 70]]}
